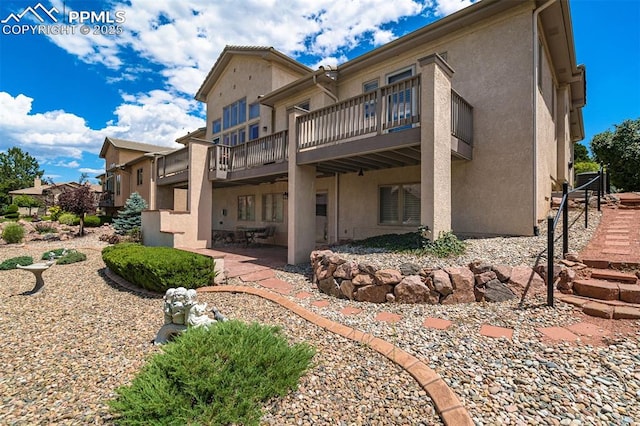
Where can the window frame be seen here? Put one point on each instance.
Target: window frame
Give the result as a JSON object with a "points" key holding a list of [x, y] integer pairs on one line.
{"points": [[401, 206], [246, 208], [139, 176], [277, 207], [234, 114], [216, 126]]}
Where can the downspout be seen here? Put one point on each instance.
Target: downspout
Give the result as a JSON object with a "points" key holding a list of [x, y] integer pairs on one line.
{"points": [[536, 61], [336, 207], [324, 89]]}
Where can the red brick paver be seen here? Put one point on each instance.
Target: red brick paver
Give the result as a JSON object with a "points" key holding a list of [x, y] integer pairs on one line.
{"points": [[587, 329], [437, 323], [258, 276], [350, 311], [276, 285], [304, 295], [558, 333], [320, 303], [388, 317], [493, 331]]}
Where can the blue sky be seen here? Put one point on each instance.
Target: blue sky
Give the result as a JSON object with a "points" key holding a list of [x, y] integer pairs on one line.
{"points": [[61, 94]]}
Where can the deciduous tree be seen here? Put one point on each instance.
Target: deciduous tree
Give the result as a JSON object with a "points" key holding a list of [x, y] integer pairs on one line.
{"points": [[79, 201], [17, 171], [619, 151]]}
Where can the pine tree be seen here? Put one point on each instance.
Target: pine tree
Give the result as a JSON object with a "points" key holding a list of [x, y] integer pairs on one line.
{"points": [[130, 217]]}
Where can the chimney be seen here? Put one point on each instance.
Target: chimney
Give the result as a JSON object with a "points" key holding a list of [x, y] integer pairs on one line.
{"points": [[37, 182]]}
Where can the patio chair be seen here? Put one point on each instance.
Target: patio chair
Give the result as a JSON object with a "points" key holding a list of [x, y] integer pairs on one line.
{"points": [[269, 233]]}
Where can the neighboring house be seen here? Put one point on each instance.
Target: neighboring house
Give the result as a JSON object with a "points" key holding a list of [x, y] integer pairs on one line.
{"points": [[48, 194], [128, 168], [467, 124]]}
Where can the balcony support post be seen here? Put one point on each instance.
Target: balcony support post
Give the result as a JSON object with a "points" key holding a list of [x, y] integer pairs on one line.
{"points": [[435, 145], [301, 203]]}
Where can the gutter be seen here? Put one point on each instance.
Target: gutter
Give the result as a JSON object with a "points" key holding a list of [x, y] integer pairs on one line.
{"points": [[536, 61]]}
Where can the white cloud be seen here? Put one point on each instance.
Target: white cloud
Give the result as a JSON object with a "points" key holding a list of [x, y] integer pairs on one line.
{"points": [[90, 171], [59, 138], [447, 7]]}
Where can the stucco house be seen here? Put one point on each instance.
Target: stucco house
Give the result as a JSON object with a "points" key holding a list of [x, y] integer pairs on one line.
{"points": [[128, 169], [48, 194], [466, 124]]}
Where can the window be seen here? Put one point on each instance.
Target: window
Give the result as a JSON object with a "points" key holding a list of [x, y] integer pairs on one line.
{"points": [[400, 104], [139, 177], [247, 207], [304, 105], [216, 127], [400, 204], [234, 114], [254, 131], [273, 207], [236, 137], [117, 184], [370, 105], [254, 111]]}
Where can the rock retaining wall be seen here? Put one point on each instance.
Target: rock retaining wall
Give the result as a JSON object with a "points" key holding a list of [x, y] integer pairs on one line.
{"points": [[412, 283]]}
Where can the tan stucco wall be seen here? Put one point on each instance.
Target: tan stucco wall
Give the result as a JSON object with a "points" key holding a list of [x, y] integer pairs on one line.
{"points": [[145, 188]]}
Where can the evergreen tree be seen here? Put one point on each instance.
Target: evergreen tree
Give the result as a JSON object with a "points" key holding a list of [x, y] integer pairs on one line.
{"points": [[130, 217], [619, 151], [17, 171]]}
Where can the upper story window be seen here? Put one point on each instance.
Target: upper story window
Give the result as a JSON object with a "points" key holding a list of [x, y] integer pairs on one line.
{"points": [[304, 105], [234, 114], [254, 131], [139, 177], [216, 126], [370, 104], [118, 185], [254, 111], [401, 100], [370, 86]]}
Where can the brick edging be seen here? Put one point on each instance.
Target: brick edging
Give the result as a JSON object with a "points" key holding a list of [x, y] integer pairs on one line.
{"points": [[445, 400]]}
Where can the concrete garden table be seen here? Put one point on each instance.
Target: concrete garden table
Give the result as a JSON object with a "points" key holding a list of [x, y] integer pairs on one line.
{"points": [[37, 269]]}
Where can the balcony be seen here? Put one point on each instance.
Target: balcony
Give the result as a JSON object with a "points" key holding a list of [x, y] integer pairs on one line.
{"points": [[266, 156], [173, 167], [106, 199]]}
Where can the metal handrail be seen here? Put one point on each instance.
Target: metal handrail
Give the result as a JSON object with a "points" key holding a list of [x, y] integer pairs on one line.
{"points": [[552, 222]]}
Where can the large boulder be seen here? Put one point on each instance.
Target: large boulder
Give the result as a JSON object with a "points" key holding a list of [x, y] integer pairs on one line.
{"points": [[495, 291], [362, 279], [329, 286], [524, 280], [373, 293], [463, 282], [387, 277], [503, 272], [346, 270], [348, 289], [411, 290], [407, 269], [442, 282], [484, 277]]}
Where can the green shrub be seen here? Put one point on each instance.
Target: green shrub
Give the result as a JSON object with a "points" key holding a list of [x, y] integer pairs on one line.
{"points": [[11, 263], [105, 219], [69, 219], [55, 212], [217, 376], [12, 212], [13, 233], [55, 254], [71, 257], [159, 268], [92, 221], [446, 245]]}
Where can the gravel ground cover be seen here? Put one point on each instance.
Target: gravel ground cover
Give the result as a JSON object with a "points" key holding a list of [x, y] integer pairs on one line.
{"points": [[65, 351]]}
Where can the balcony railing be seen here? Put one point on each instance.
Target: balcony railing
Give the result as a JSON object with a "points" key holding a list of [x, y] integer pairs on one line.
{"points": [[390, 108], [265, 150], [173, 163], [461, 118]]}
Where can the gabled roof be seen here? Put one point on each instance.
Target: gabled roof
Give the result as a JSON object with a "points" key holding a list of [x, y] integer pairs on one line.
{"points": [[130, 145], [266, 53], [39, 190]]}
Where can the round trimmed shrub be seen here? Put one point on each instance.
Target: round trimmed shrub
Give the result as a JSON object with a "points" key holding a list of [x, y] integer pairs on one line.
{"points": [[69, 219], [13, 233], [92, 221]]}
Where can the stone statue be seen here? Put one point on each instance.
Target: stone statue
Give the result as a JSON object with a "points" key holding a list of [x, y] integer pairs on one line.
{"points": [[181, 310]]}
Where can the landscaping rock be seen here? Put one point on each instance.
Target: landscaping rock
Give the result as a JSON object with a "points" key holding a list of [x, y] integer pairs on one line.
{"points": [[495, 291], [442, 282], [565, 283], [478, 267], [346, 270], [463, 281], [362, 279], [373, 293], [388, 276], [503, 272], [367, 268], [411, 290], [330, 287], [347, 288], [407, 269], [525, 279], [485, 277]]}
